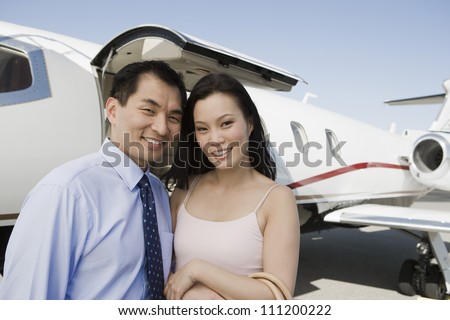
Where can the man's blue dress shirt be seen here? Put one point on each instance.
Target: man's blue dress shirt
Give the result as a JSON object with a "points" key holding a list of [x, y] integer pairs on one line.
{"points": [[79, 234]]}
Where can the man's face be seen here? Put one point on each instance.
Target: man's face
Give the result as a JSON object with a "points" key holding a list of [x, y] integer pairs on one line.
{"points": [[150, 120]]}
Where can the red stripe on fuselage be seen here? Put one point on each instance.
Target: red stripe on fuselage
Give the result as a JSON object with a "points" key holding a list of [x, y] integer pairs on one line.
{"points": [[337, 172]]}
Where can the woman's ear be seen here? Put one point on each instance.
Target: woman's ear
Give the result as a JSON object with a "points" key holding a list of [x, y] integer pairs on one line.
{"points": [[111, 106], [250, 127]]}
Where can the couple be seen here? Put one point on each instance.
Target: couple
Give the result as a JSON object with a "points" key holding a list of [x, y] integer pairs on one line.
{"points": [[80, 231]]}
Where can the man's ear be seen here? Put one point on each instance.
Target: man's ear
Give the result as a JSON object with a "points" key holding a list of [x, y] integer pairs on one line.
{"points": [[111, 106]]}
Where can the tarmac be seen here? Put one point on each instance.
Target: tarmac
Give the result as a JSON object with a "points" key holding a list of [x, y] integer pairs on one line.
{"points": [[359, 264]]}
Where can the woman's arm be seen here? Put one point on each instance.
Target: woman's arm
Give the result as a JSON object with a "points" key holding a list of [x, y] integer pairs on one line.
{"points": [[201, 292], [225, 283], [282, 236]]}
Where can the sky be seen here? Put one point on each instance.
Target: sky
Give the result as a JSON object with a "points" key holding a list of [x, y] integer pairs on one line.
{"points": [[354, 54]]}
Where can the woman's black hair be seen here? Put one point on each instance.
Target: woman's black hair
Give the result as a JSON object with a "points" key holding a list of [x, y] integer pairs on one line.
{"points": [[189, 158]]}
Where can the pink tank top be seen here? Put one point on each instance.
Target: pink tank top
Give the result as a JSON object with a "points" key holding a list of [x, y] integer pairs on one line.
{"points": [[235, 245]]}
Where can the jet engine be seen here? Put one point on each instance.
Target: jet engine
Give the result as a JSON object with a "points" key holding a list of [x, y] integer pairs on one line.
{"points": [[430, 160]]}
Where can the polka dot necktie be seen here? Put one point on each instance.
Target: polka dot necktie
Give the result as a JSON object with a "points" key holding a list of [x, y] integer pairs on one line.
{"points": [[154, 263]]}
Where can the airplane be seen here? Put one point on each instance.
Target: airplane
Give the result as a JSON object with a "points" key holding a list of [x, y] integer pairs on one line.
{"points": [[342, 172]]}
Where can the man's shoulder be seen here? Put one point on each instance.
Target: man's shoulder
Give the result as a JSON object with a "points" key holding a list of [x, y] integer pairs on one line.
{"points": [[74, 169]]}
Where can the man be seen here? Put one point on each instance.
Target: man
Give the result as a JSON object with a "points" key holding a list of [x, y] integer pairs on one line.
{"points": [[80, 231]]}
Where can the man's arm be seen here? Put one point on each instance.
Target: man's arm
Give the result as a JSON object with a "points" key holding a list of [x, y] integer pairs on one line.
{"points": [[42, 250]]}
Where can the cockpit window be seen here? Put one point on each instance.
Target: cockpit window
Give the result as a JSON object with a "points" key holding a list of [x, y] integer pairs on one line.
{"points": [[15, 71], [23, 73]]}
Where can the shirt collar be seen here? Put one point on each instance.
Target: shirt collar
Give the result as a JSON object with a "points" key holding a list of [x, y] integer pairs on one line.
{"points": [[126, 168]]}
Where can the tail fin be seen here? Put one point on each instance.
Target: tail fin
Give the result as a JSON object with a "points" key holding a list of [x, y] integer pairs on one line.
{"points": [[442, 122]]}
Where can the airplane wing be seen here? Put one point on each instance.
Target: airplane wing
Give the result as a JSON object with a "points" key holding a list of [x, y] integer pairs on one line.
{"points": [[415, 276], [433, 222], [392, 217]]}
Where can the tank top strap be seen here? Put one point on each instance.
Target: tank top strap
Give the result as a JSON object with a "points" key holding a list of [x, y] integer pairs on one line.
{"points": [[265, 196], [191, 189]]}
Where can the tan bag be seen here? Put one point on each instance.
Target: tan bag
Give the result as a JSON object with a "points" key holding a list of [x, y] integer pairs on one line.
{"points": [[279, 289]]}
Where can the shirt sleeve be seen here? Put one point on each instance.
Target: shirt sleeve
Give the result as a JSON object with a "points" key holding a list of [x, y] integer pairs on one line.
{"points": [[45, 245]]}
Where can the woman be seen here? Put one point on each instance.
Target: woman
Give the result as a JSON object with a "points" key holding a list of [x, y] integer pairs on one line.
{"points": [[230, 218]]}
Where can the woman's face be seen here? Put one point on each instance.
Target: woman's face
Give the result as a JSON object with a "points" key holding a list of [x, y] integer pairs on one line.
{"points": [[222, 131]]}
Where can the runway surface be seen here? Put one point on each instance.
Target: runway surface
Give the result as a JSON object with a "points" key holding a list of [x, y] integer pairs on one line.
{"points": [[359, 264]]}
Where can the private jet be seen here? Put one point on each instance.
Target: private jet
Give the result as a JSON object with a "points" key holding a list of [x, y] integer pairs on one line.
{"points": [[342, 172]]}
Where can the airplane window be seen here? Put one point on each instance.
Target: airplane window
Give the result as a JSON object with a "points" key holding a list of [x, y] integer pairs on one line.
{"points": [[15, 71], [300, 137], [332, 141]]}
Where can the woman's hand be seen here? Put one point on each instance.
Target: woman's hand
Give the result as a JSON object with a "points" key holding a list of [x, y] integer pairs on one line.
{"points": [[181, 281]]}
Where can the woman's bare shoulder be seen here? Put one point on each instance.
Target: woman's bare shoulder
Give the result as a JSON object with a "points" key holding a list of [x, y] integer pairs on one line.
{"points": [[283, 193], [280, 196]]}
